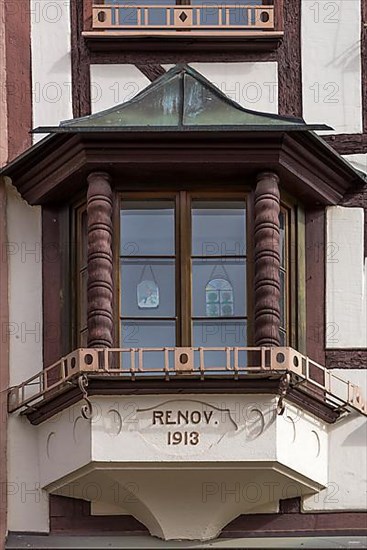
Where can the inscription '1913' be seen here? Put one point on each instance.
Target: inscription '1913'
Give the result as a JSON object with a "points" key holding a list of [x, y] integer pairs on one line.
{"points": [[182, 418]]}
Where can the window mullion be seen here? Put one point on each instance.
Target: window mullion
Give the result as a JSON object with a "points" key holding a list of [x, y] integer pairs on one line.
{"points": [[184, 281]]}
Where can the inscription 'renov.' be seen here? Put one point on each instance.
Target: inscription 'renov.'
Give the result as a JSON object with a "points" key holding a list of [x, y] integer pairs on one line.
{"points": [[184, 426], [181, 417]]}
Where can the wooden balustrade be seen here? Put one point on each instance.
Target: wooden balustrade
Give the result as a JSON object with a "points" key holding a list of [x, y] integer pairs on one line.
{"points": [[206, 17]]}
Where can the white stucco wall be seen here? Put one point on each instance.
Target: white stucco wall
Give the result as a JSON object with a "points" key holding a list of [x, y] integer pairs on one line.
{"points": [[253, 85], [347, 464], [331, 63], [28, 506], [346, 304], [114, 84], [358, 161], [51, 62]]}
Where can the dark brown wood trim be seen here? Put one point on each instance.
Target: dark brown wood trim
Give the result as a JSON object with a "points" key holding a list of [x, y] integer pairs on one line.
{"points": [[51, 276], [348, 144], [180, 50], [80, 18], [290, 505], [299, 524], [151, 70], [18, 87], [267, 260], [100, 261], [346, 359], [289, 62], [112, 386], [73, 516], [364, 62], [315, 285], [4, 362], [57, 169]]}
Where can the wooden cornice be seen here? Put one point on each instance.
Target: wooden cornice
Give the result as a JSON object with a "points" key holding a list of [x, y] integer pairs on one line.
{"points": [[116, 42], [112, 386], [57, 168]]}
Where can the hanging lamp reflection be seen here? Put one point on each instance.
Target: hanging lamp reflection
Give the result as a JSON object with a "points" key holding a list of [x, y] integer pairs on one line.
{"points": [[219, 298], [147, 291]]}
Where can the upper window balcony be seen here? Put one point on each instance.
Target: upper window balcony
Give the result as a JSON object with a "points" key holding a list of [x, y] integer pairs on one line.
{"points": [[244, 21]]}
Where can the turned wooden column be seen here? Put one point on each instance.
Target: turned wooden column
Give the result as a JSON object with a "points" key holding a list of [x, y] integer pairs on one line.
{"points": [[267, 260], [100, 284]]}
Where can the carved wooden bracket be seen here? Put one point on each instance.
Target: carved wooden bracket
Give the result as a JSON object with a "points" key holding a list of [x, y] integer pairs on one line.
{"points": [[267, 260], [100, 283]]}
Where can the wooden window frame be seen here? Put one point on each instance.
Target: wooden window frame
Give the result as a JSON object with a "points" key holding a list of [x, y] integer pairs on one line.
{"points": [[295, 246], [296, 272], [183, 208]]}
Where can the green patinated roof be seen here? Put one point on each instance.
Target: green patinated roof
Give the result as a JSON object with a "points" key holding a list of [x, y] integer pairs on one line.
{"points": [[181, 100]]}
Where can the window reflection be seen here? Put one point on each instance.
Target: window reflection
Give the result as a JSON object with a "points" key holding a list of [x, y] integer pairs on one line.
{"points": [[219, 288], [147, 276]]}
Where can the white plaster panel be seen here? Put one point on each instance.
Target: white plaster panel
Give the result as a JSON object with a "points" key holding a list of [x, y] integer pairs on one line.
{"points": [[27, 501], [28, 506], [24, 253], [347, 485], [235, 431], [216, 429], [331, 64], [346, 304], [67, 430], [51, 62], [298, 433], [357, 161], [115, 84], [252, 85]]}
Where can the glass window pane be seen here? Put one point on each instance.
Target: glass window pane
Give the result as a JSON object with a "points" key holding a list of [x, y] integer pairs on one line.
{"points": [[218, 228], [83, 305], [128, 16], [148, 288], [219, 288], [147, 228], [282, 299], [84, 239], [83, 339], [148, 334], [282, 338], [237, 13], [282, 224], [220, 333]]}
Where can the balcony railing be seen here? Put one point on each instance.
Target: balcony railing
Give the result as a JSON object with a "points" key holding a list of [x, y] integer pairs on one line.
{"points": [[204, 18], [202, 363]]}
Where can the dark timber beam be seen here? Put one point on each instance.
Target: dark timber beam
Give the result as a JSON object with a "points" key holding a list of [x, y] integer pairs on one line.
{"points": [[267, 260], [100, 284]]}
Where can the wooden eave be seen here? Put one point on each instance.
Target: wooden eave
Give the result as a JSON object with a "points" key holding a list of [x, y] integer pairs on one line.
{"points": [[56, 168]]}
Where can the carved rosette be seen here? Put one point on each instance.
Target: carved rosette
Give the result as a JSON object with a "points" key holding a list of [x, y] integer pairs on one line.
{"points": [[267, 260], [100, 282]]}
